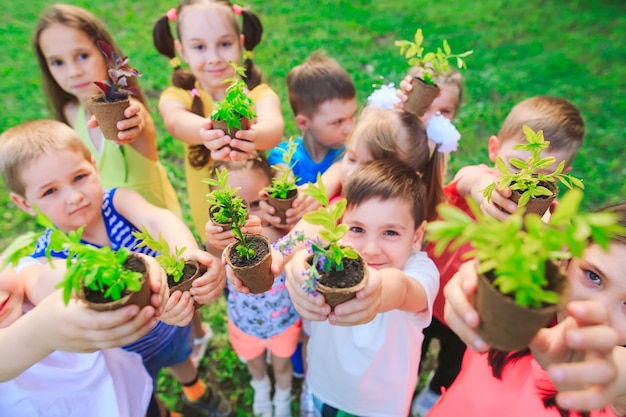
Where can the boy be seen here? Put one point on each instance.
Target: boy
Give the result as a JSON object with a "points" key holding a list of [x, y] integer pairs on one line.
{"points": [[563, 126], [323, 100], [371, 368], [45, 165]]}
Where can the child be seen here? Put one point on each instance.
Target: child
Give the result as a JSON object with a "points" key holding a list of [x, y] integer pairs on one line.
{"points": [[257, 322], [47, 381], [209, 37], [70, 61], [323, 100], [45, 165], [576, 358], [563, 126], [371, 369]]}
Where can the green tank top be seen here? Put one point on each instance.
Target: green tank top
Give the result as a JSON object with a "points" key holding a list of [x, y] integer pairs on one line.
{"points": [[123, 166]]}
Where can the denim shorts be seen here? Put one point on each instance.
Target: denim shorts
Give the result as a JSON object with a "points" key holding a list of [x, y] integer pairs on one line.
{"points": [[173, 353]]}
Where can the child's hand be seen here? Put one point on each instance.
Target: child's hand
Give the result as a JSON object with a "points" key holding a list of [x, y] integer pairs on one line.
{"points": [[243, 144], [217, 238], [179, 309], [130, 129], [459, 310], [578, 356], [309, 306], [300, 206], [209, 286], [364, 307], [276, 268], [158, 283], [501, 206], [222, 146], [403, 93]]}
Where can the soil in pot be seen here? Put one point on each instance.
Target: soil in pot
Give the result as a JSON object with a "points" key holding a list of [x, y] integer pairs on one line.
{"points": [[96, 300], [220, 124], [340, 286], [255, 273], [538, 205], [108, 114], [505, 325], [421, 97], [191, 272], [281, 205]]}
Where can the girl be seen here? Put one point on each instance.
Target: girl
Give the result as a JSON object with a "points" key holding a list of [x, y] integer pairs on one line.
{"points": [[209, 37], [589, 334], [65, 44], [257, 322]]}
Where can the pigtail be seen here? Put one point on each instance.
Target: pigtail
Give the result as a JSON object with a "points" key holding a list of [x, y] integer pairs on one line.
{"points": [[199, 156], [432, 175], [252, 30]]}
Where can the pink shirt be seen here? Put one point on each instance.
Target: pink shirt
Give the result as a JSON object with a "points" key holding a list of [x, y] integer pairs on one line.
{"points": [[520, 392]]}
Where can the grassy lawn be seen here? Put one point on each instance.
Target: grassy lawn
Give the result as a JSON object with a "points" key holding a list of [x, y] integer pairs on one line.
{"points": [[575, 50]]}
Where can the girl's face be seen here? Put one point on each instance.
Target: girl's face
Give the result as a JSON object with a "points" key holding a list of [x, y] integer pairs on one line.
{"points": [[383, 232], [65, 187], [446, 103], [207, 42], [11, 297], [355, 156], [250, 182], [599, 276], [73, 59]]}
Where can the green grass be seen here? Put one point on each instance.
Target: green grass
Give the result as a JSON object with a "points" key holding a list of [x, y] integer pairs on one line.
{"points": [[575, 49]]}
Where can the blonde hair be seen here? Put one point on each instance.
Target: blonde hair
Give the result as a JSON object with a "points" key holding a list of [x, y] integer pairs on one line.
{"points": [[22, 144], [393, 134], [81, 20], [561, 122]]}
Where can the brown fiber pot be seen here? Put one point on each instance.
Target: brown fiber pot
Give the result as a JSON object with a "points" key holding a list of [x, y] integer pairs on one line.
{"points": [[224, 226], [538, 205], [333, 293], [421, 97], [220, 124], [108, 114], [255, 273], [141, 298], [505, 325], [281, 205], [192, 271]]}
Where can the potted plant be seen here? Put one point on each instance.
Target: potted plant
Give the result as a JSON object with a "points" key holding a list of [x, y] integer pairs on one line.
{"points": [[520, 284], [105, 279], [432, 65], [249, 256], [235, 111], [180, 272], [284, 188], [529, 186], [108, 107], [336, 271]]}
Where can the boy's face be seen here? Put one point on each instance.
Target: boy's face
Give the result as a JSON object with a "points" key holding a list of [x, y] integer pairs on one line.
{"points": [[11, 297], [446, 103], [599, 276], [64, 186], [505, 151], [383, 232], [330, 125]]}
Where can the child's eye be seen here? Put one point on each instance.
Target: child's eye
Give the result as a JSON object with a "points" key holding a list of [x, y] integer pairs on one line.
{"points": [[83, 56], [254, 204], [56, 63], [593, 277], [198, 47], [356, 229], [48, 192], [391, 233], [225, 44], [80, 177]]}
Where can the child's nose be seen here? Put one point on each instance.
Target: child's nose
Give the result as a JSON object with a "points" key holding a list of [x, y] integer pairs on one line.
{"points": [[370, 248], [73, 195]]}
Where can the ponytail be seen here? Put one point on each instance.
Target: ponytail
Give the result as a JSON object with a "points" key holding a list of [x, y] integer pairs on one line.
{"points": [[432, 175], [252, 31]]}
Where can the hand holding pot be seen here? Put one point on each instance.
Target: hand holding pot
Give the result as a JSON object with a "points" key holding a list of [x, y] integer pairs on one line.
{"points": [[309, 306], [131, 128], [364, 307], [208, 287]]}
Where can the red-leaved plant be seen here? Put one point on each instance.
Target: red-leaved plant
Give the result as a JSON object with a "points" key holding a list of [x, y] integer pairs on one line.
{"points": [[116, 88]]}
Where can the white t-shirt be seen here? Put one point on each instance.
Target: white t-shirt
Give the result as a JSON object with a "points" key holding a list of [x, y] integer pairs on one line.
{"points": [[106, 383], [371, 369]]}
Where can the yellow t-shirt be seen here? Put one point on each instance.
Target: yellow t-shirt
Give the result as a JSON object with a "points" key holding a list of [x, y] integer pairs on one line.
{"points": [[196, 189], [123, 166]]}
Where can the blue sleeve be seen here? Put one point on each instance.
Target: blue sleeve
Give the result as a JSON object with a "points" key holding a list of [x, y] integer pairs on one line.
{"points": [[275, 156]]}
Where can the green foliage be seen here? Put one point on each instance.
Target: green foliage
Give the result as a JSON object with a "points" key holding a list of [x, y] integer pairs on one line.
{"points": [[433, 64], [527, 179], [236, 104], [173, 263], [99, 269], [286, 181], [225, 206], [19, 247], [329, 255], [517, 249]]}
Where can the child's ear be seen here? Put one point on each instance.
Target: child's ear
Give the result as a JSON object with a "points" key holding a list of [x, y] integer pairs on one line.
{"points": [[493, 147], [418, 238], [22, 203], [302, 122], [242, 41], [179, 49]]}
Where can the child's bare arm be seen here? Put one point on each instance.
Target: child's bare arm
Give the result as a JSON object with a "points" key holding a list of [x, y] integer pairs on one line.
{"points": [[181, 123], [401, 292]]}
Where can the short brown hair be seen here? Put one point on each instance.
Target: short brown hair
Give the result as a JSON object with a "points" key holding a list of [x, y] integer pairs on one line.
{"points": [[561, 122], [22, 144], [318, 80], [386, 179]]}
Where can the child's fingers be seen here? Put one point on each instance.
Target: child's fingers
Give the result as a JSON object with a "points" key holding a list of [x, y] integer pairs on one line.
{"points": [[587, 313]]}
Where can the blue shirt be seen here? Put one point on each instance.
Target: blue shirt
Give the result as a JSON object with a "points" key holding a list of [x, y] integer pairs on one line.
{"points": [[305, 168]]}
